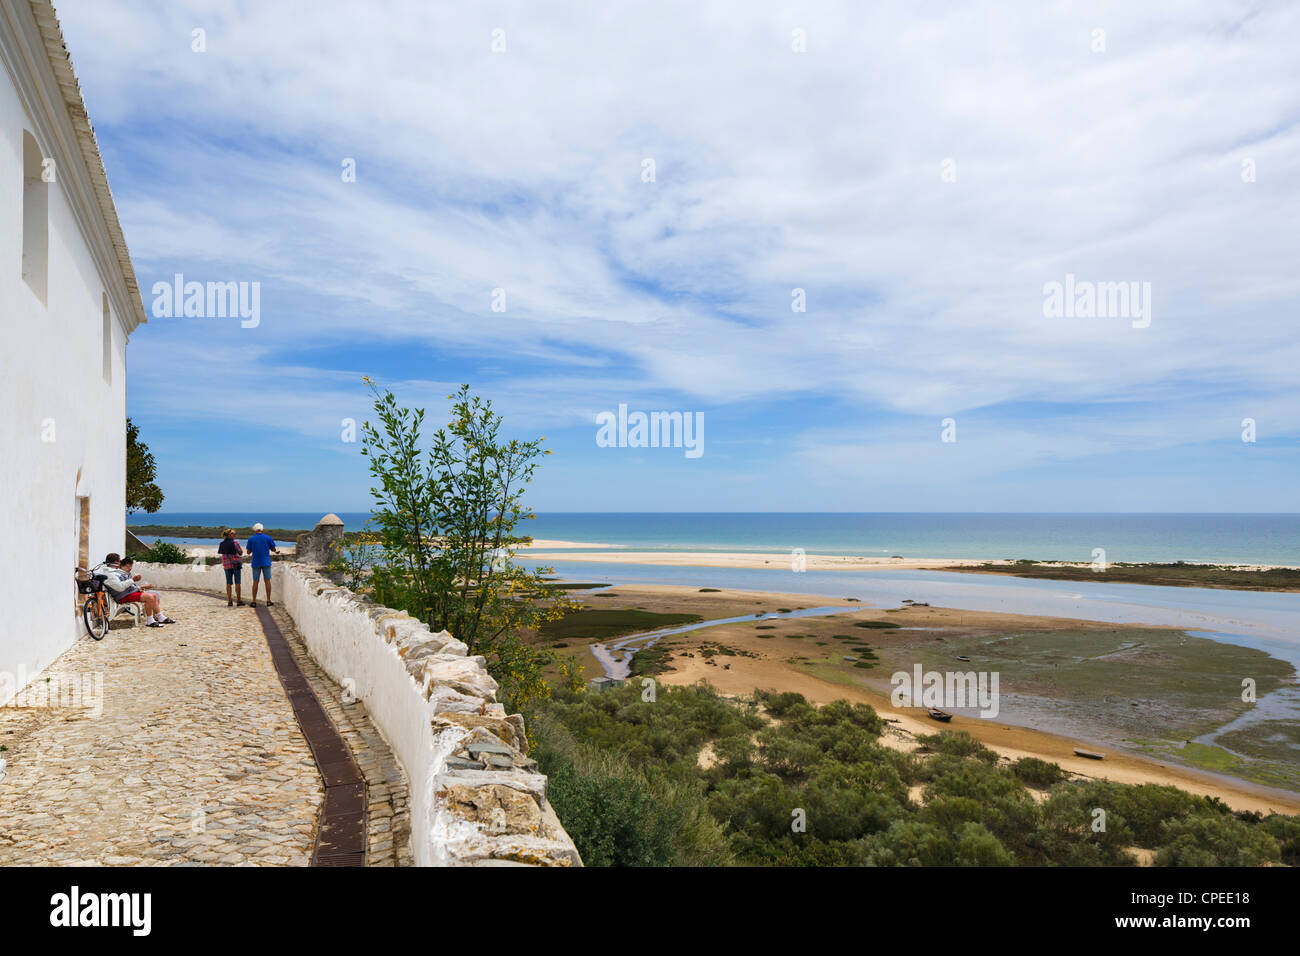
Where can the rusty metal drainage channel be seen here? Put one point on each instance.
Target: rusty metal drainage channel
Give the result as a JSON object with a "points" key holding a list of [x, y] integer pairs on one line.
{"points": [[341, 826], [341, 833]]}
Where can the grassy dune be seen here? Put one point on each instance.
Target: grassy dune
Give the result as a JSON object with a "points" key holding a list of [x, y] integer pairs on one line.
{"points": [[1177, 574]]}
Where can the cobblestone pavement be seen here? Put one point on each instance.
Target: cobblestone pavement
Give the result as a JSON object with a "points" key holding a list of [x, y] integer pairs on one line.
{"points": [[388, 814], [171, 745]]}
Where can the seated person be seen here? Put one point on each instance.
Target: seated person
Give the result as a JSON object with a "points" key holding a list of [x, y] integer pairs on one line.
{"points": [[127, 564], [121, 583]]}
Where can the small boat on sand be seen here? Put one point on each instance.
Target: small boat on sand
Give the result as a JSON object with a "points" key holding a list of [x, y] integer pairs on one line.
{"points": [[937, 714], [1090, 754], [962, 657]]}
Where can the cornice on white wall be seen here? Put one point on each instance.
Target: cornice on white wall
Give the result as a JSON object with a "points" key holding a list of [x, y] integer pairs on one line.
{"points": [[33, 51]]}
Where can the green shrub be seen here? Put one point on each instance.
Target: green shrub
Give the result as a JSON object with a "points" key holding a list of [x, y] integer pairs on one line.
{"points": [[164, 552], [635, 792], [619, 815], [957, 743], [914, 843], [1221, 840], [781, 705], [1038, 773], [1286, 830]]}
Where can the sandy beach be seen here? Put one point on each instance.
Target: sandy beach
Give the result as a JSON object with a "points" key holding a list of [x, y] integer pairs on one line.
{"points": [[739, 559], [544, 543], [541, 550]]}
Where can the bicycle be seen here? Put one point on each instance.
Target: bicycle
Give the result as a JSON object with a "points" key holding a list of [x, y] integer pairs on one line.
{"points": [[97, 611]]}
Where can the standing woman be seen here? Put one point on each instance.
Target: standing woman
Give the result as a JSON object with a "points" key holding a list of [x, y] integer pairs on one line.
{"points": [[232, 561]]}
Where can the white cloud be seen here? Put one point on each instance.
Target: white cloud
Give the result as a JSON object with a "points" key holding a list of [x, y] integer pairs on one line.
{"points": [[775, 170]]}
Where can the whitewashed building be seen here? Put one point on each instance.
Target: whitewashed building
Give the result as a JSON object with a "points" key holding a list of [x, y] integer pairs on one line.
{"points": [[68, 303]]}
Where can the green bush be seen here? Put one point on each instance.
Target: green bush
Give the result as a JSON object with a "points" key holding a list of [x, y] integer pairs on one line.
{"points": [[1038, 774], [1220, 840], [164, 552], [619, 815], [1286, 830], [914, 843], [957, 743]]}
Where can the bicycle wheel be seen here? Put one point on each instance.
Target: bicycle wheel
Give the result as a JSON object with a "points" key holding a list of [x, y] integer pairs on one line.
{"points": [[96, 615]]}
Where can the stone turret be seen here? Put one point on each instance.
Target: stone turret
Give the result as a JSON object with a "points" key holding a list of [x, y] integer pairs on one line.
{"points": [[319, 545]]}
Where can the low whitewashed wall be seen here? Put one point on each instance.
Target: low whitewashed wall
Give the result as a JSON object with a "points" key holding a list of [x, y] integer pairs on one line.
{"points": [[476, 798]]}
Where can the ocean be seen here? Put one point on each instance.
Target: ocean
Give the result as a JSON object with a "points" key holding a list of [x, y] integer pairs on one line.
{"points": [[1217, 538]]}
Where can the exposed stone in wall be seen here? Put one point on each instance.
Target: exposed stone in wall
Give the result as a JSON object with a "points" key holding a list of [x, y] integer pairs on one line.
{"points": [[490, 804]]}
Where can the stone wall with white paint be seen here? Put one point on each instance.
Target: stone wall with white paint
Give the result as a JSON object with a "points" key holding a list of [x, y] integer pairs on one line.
{"points": [[476, 797]]}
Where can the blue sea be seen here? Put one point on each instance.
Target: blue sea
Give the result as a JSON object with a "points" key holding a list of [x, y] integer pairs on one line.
{"points": [[1217, 538]]}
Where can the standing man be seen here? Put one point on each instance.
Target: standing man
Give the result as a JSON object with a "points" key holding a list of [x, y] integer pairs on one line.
{"points": [[260, 548]]}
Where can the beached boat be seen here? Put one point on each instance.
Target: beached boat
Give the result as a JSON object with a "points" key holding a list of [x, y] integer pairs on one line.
{"points": [[937, 714], [1090, 754], [962, 657]]}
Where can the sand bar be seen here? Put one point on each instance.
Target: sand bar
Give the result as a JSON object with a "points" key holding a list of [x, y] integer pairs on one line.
{"points": [[750, 559]]}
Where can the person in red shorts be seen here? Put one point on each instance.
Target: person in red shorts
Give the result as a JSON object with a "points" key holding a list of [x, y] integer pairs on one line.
{"points": [[121, 583]]}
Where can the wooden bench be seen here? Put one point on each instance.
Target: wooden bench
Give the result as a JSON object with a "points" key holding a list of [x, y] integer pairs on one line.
{"points": [[134, 608]]}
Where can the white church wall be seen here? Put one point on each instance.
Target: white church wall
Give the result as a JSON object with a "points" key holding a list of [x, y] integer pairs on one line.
{"points": [[62, 432]]}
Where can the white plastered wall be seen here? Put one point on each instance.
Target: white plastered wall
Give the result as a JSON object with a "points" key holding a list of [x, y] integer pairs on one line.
{"points": [[62, 430]]}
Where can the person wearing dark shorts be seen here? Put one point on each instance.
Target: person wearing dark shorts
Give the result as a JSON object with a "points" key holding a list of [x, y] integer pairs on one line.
{"points": [[232, 562], [260, 547]]}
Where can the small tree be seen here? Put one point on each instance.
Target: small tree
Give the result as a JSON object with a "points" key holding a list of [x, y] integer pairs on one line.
{"points": [[142, 494], [447, 519], [571, 674], [353, 558]]}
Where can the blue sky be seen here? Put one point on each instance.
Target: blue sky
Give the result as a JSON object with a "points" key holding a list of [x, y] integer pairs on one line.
{"points": [[825, 170]]}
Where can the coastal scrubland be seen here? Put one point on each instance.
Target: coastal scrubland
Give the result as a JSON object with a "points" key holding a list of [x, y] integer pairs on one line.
{"points": [[695, 778], [1153, 698]]}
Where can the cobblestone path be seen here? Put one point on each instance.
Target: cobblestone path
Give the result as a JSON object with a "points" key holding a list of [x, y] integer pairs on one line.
{"points": [[171, 745]]}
